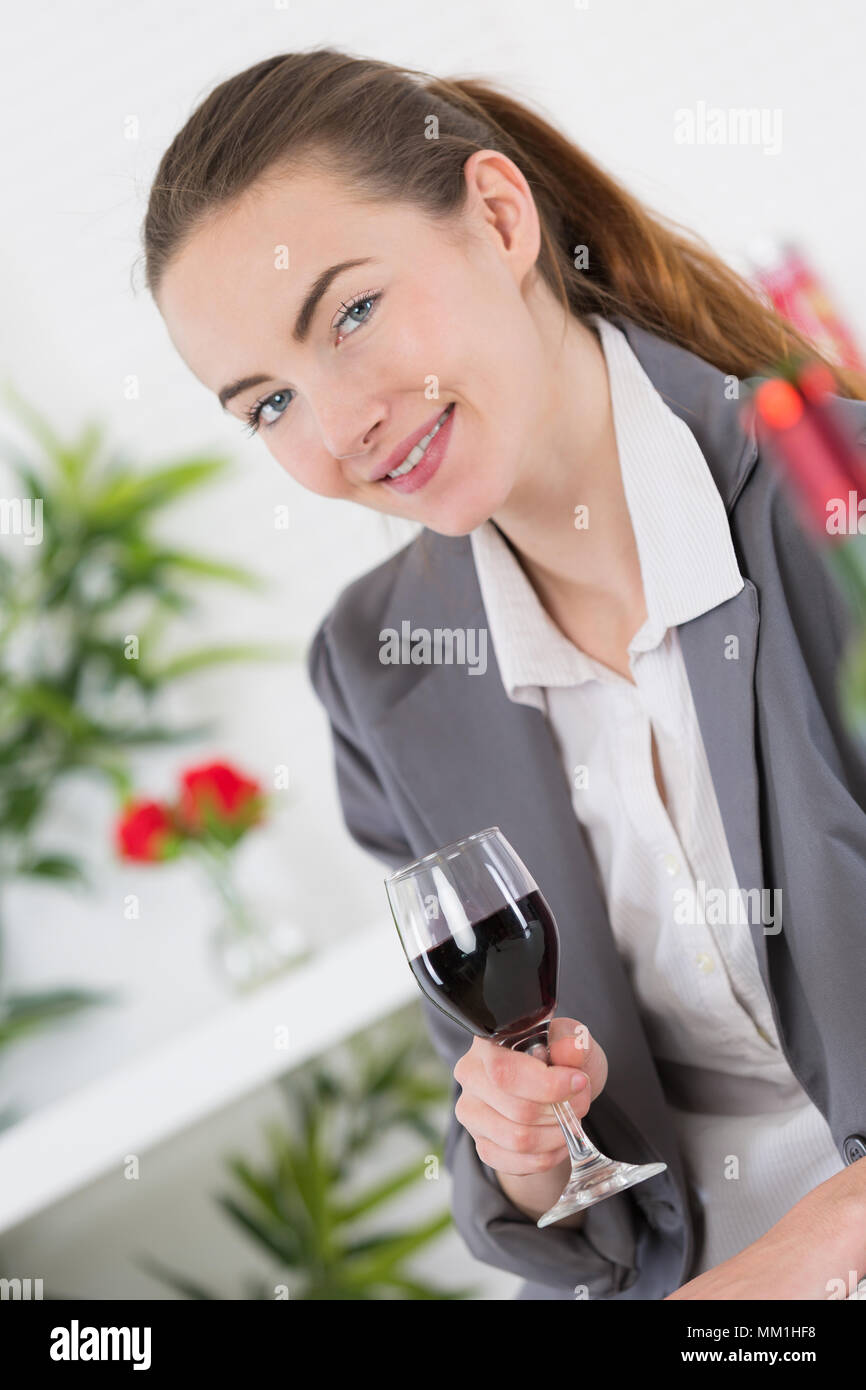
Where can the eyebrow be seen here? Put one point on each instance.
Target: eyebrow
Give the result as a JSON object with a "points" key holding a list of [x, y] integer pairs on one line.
{"points": [[302, 323]]}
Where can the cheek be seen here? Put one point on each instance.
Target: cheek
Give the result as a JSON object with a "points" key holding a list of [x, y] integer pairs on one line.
{"points": [[439, 330], [321, 475]]}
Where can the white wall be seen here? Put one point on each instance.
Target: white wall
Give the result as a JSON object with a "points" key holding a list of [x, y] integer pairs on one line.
{"points": [[73, 329]]}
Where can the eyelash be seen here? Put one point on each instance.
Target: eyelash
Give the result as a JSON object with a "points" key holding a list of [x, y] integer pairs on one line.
{"points": [[255, 410]]}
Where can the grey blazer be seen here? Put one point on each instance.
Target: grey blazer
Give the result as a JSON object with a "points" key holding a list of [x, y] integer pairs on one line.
{"points": [[425, 754]]}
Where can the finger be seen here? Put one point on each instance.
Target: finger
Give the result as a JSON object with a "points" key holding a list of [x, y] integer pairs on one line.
{"points": [[484, 1122], [528, 1078], [567, 1028], [572, 1045], [520, 1165], [513, 1108]]}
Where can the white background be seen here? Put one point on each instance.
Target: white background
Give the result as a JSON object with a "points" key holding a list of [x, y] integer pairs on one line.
{"points": [[74, 327]]}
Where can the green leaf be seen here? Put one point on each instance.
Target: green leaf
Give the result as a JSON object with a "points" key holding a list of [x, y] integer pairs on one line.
{"points": [[305, 1176], [370, 1270], [76, 462], [19, 806], [852, 686], [416, 1290], [332, 1291], [138, 565], [71, 462], [49, 701], [385, 1071], [374, 1196], [35, 421], [277, 1237], [416, 1120], [118, 774], [131, 494], [135, 735], [368, 1243], [326, 1086], [24, 1013], [8, 574], [188, 1288], [310, 1178], [59, 866], [266, 1193], [201, 657], [421, 1092], [208, 568], [34, 486]]}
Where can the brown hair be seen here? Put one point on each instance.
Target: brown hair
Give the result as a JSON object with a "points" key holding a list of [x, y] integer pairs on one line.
{"points": [[371, 122]]}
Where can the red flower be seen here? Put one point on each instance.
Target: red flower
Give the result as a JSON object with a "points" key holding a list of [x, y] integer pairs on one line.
{"points": [[144, 831], [218, 797]]}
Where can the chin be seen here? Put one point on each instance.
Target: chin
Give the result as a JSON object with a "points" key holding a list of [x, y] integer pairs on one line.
{"points": [[458, 525], [470, 513]]}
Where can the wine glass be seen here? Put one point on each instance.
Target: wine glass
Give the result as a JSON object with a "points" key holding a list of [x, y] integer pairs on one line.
{"points": [[484, 947]]}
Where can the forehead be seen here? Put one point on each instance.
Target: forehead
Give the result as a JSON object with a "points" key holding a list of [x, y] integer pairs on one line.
{"points": [[234, 284]]}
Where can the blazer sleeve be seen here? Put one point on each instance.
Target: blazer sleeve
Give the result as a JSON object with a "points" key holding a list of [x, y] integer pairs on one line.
{"points": [[597, 1257]]}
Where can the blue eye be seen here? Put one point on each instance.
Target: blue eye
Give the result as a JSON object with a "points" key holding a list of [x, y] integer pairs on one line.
{"points": [[363, 302], [269, 403]]}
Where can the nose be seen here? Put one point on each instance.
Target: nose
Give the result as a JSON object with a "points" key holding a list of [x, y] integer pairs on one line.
{"points": [[344, 437]]}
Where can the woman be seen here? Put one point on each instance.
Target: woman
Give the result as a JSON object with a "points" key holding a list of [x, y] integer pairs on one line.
{"points": [[431, 303]]}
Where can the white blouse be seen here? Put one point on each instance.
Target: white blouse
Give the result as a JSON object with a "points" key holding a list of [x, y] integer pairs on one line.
{"points": [[752, 1141]]}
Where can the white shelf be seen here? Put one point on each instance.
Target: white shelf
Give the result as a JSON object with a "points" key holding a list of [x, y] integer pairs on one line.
{"points": [[56, 1150]]}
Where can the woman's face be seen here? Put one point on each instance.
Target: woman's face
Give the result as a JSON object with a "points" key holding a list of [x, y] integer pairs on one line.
{"points": [[344, 371]]}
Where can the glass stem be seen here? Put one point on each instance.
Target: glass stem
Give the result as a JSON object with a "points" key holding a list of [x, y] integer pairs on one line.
{"points": [[581, 1151]]}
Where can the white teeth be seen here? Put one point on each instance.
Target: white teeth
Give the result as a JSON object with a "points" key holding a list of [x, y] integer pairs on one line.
{"points": [[417, 453]]}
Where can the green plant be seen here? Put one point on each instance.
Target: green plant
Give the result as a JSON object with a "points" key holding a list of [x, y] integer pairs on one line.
{"points": [[303, 1207], [83, 614]]}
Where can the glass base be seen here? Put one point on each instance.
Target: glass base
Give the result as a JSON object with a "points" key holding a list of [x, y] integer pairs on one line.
{"points": [[594, 1180]]}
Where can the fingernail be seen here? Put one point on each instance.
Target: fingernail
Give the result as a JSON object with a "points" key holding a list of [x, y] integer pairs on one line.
{"points": [[579, 1080]]}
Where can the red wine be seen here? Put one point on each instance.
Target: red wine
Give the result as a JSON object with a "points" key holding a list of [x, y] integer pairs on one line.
{"points": [[498, 978]]}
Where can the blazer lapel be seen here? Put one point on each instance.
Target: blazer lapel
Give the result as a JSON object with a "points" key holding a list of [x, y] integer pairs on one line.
{"points": [[723, 690]]}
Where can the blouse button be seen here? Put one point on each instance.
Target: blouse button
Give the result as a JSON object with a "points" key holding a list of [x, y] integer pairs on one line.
{"points": [[705, 963], [671, 864]]}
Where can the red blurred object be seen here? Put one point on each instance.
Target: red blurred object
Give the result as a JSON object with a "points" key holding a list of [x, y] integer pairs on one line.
{"points": [[825, 469], [145, 831], [218, 792], [824, 466], [815, 383], [818, 457], [796, 291]]}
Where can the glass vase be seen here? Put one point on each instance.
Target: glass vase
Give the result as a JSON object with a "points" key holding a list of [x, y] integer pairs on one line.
{"points": [[249, 943]]}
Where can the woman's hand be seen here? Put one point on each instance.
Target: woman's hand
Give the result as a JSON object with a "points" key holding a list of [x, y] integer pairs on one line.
{"points": [[505, 1104], [817, 1250]]}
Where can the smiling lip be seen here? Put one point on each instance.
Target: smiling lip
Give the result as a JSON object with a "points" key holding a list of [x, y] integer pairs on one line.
{"points": [[435, 452], [402, 451]]}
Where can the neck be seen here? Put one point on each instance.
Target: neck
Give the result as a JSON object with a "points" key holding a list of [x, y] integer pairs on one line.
{"points": [[576, 466]]}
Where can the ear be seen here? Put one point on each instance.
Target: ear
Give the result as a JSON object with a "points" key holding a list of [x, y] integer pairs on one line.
{"points": [[500, 206]]}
